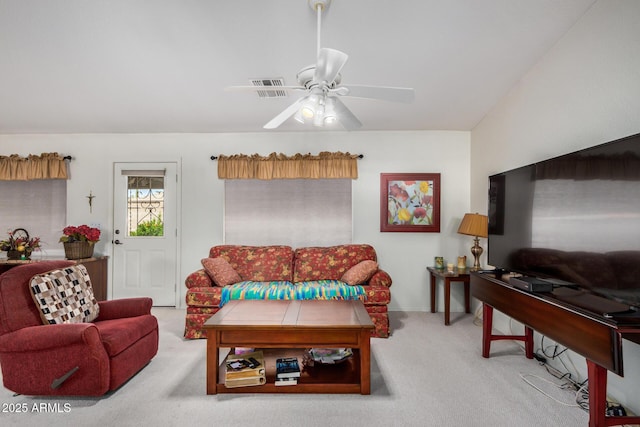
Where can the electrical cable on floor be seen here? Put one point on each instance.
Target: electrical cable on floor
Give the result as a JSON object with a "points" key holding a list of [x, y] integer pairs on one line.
{"points": [[477, 316], [560, 386], [555, 349], [581, 389], [556, 356], [582, 396]]}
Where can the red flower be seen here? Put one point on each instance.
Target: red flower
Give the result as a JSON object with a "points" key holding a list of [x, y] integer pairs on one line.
{"points": [[419, 212], [82, 233], [397, 192]]}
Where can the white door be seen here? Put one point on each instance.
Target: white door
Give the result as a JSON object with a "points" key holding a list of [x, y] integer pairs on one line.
{"points": [[145, 231]]}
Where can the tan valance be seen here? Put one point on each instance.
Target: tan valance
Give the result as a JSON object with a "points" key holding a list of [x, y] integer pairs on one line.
{"points": [[279, 166], [44, 166]]}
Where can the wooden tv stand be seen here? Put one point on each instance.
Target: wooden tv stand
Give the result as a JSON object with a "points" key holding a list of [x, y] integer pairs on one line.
{"points": [[563, 315]]}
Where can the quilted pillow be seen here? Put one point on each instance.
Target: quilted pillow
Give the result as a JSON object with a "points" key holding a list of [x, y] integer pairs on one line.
{"points": [[65, 296], [360, 272], [220, 271]]}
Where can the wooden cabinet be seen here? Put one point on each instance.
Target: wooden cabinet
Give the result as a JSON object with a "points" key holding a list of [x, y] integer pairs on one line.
{"points": [[97, 267]]}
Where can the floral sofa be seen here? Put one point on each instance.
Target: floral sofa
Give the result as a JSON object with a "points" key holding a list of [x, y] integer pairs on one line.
{"points": [[281, 272]]}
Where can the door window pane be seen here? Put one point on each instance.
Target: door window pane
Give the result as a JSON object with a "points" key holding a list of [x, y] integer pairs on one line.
{"points": [[145, 206]]}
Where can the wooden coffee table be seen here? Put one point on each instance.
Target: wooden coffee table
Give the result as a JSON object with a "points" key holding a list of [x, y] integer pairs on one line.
{"points": [[287, 328]]}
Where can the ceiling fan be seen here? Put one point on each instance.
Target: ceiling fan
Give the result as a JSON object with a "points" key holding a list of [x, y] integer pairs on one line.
{"points": [[321, 81]]}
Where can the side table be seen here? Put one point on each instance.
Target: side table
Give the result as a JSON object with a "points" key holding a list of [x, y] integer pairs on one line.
{"points": [[449, 276]]}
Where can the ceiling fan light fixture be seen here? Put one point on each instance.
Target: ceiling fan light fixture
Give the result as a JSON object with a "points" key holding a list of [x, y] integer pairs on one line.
{"points": [[307, 112], [330, 115], [309, 107], [329, 120], [318, 119]]}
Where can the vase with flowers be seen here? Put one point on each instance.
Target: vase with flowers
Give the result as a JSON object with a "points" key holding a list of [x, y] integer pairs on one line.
{"points": [[19, 245], [79, 240]]}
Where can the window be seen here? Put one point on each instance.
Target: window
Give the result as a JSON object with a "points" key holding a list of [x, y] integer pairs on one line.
{"points": [[294, 212], [38, 206], [145, 205]]}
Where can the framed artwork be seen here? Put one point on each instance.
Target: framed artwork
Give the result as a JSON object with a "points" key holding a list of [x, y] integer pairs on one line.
{"points": [[410, 202]]}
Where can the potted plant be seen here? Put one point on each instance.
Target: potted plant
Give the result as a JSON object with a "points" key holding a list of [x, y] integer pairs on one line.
{"points": [[19, 245], [79, 240]]}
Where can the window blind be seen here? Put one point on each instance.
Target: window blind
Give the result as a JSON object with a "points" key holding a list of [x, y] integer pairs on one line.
{"points": [[38, 206], [294, 212]]}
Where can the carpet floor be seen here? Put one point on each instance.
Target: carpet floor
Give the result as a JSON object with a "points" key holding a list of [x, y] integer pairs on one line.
{"points": [[425, 374]]}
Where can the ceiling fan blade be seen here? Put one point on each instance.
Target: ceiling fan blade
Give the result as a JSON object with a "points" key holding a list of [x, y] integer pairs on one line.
{"points": [[345, 116], [284, 115], [385, 93], [330, 62]]}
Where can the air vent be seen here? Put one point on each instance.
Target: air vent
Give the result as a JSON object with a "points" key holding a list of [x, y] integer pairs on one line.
{"points": [[271, 88]]}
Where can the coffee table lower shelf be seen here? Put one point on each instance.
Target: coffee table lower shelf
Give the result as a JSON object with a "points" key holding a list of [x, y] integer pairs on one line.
{"points": [[340, 378]]}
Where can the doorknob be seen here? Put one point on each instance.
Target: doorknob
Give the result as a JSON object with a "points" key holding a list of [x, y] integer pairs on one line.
{"points": [[118, 242]]}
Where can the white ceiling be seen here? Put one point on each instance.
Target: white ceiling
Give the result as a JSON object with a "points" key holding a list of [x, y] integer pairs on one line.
{"points": [[93, 66]]}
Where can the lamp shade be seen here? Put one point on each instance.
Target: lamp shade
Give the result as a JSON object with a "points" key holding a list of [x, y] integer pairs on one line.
{"points": [[474, 225]]}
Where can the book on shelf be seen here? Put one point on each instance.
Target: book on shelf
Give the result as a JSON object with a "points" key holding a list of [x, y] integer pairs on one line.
{"points": [[245, 369], [287, 367], [245, 382], [286, 381]]}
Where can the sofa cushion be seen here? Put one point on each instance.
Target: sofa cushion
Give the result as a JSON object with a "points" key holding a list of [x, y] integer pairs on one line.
{"points": [[257, 263], [220, 271], [65, 296], [360, 273], [318, 263]]}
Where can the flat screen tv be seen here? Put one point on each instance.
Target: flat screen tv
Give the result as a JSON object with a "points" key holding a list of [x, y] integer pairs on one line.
{"points": [[573, 220]]}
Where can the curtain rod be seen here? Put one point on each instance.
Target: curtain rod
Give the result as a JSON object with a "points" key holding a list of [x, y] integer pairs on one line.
{"points": [[360, 156], [68, 158]]}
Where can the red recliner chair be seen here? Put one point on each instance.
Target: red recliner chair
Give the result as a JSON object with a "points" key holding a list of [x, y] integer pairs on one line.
{"points": [[87, 359]]}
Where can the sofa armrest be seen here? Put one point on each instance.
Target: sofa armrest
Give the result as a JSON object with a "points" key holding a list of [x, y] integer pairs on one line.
{"points": [[125, 307], [198, 279], [380, 278], [45, 337]]}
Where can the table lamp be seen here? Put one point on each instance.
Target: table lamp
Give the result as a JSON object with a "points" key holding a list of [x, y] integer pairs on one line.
{"points": [[475, 225]]}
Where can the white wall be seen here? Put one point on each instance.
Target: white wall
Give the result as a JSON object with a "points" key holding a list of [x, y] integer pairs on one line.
{"points": [[584, 92], [404, 255]]}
